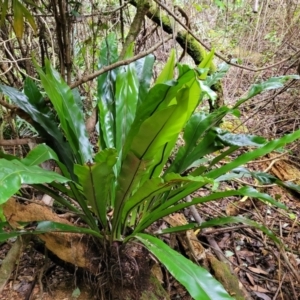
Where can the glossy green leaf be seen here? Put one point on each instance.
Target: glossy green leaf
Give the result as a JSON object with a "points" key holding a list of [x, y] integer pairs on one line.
{"points": [[220, 222], [289, 185], [206, 90], [49, 226], [58, 192], [153, 213], [144, 71], [8, 156], [162, 127], [132, 170], [14, 173], [170, 206], [250, 156], [44, 227], [152, 188], [45, 122], [208, 145], [106, 92], [35, 97], [198, 281], [215, 77], [187, 96], [148, 189], [70, 116], [206, 64], [239, 219], [126, 99], [38, 155], [225, 154], [240, 140], [168, 71], [149, 131], [96, 180], [270, 84], [77, 98], [265, 178], [158, 98], [195, 147]]}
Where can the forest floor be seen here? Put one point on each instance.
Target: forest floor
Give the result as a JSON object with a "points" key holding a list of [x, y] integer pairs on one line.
{"points": [[265, 270]]}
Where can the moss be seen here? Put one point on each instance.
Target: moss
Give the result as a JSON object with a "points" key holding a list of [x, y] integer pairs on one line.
{"points": [[185, 40], [229, 281], [160, 18], [157, 292], [194, 49], [198, 52]]}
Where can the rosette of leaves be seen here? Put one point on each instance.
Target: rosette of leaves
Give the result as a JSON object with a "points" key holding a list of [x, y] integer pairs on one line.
{"points": [[132, 173]]}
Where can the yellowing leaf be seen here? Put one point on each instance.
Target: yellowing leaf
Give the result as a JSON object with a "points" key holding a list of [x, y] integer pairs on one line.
{"points": [[4, 9], [18, 23], [28, 16], [20, 11]]}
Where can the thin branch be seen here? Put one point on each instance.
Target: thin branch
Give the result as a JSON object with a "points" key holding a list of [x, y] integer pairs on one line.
{"points": [[7, 70], [115, 65], [7, 105], [135, 26], [105, 12], [51, 39], [216, 53], [13, 60], [270, 99], [17, 142]]}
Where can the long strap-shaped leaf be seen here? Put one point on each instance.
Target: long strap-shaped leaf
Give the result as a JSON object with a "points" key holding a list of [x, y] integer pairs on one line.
{"points": [[196, 127], [198, 281], [241, 160], [172, 206], [252, 155], [148, 146], [44, 121], [149, 142], [127, 88], [189, 97], [14, 173], [97, 180], [70, 116], [151, 138], [132, 170], [158, 98], [153, 187], [220, 222], [45, 227], [106, 92], [144, 70]]}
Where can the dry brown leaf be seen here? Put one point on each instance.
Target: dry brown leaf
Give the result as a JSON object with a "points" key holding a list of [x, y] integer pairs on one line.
{"points": [[258, 270], [250, 278], [262, 296], [157, 272], [257, 288], [190, 242]]}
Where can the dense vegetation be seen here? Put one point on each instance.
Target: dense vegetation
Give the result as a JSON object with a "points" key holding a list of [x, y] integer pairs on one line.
{"points": [[131, 137]]}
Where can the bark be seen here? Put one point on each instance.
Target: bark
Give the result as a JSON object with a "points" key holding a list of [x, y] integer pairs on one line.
{"points": [[142, 8], [193, 48]]}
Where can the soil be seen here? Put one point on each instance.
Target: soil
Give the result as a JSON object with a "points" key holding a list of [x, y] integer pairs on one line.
{"points": [[265, 271], [36, 277]]}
